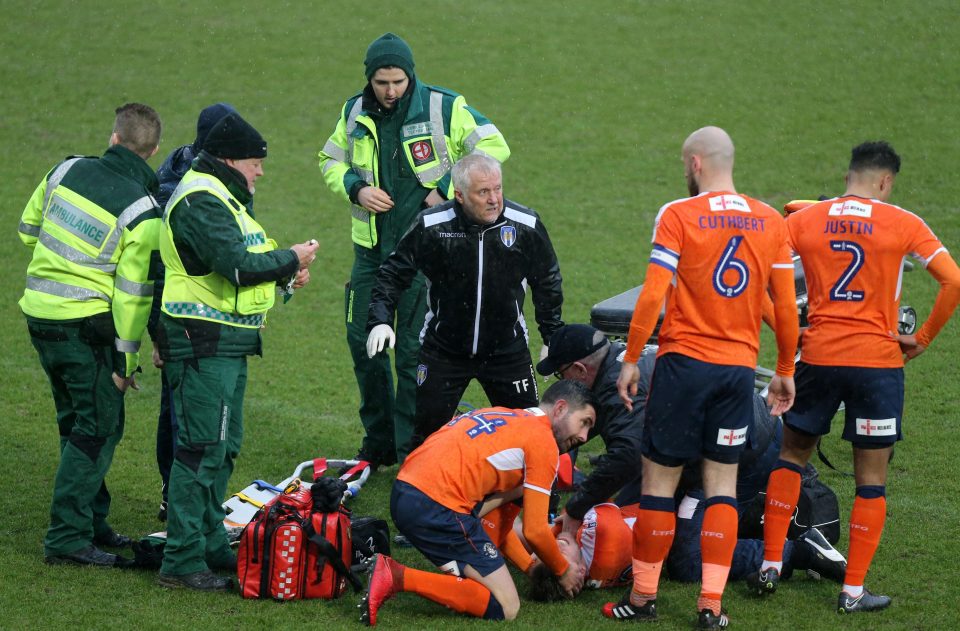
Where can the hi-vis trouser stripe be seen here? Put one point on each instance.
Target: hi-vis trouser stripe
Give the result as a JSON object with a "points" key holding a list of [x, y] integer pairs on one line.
{"points": [[199, 309]]}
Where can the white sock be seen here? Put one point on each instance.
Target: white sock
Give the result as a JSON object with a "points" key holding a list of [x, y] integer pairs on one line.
{"points": [[853, 591], [766, 565]]}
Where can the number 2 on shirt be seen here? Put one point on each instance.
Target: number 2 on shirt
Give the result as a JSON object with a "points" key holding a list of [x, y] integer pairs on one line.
{"points": [[839, 290]]}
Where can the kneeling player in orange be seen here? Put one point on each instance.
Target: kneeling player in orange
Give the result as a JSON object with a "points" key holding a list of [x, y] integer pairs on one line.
{"points": [[442, 483]]}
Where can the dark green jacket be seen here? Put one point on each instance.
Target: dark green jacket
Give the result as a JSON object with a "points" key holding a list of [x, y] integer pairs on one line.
{"points": [[208, 239]]}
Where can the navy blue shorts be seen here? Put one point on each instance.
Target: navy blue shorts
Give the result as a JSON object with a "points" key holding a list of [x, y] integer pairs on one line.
{"points": [[873, 398], [697, 409], [449, 539]]}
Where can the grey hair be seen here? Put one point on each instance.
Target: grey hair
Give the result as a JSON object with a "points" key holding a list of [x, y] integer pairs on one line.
{"points": [[476, 162]]}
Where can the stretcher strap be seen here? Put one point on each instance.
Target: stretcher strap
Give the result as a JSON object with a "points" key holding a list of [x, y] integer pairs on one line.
{"points": [[249, 500], [360, 466], [319, 468]]}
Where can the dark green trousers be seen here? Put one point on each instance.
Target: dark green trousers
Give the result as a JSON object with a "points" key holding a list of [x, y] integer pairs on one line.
{"points": [[386, 414], [208, 401], [79, 360]]}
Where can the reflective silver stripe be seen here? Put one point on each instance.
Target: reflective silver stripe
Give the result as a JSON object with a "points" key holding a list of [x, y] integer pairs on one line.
{"points": [[329, 164], [481, 132], [433, 173], [366, 174], [134, 210], [335, 152], [184, 188], [439, 142], [204, 311], [75, 256], [29, 228], [133, 288], [351, 125], [56, 177], [131, 212], [126, 346], [360, 213], [63, 290]]}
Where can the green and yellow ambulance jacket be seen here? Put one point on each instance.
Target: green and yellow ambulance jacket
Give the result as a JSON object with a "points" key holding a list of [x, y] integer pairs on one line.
{"points": [[439, 128], [221, 268], [94, 225]]}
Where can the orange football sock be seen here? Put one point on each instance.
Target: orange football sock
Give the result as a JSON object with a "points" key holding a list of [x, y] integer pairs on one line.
{"points": [[718, 538], [653, 533], [783, 491], [866, 526], [460, 594]]}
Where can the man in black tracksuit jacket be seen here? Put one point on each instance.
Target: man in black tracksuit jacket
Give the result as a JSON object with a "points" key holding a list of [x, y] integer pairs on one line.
{"points": [[478, 253]]}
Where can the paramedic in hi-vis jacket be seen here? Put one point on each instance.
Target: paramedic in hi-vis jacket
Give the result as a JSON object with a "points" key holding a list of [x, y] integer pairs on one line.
{"points": [[92, 224], [390, 157], [221, 279]]}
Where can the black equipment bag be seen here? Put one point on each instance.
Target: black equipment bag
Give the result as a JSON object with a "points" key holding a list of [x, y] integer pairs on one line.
{"points": [[370, 536], [817, 507]]}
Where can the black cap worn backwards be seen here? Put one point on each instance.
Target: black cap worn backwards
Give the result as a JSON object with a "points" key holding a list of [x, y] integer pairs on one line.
{"points": [[568, 344]]}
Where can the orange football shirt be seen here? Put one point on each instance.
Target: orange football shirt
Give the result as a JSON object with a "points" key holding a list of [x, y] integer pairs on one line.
{"points": [[852, 251], [722, 248], [486, 451]]}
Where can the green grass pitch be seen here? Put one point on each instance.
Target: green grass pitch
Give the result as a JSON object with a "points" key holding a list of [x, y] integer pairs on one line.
{"points": [[595, 99]]}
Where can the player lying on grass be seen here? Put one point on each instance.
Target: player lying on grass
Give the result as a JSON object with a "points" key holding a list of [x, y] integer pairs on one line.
{"points": [[602, 546]]}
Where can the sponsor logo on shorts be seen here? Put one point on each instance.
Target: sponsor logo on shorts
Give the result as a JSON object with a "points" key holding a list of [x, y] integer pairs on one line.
{"points": [[732, 437], [490, 551], [421, 374], [877, 427], [508, 234]]}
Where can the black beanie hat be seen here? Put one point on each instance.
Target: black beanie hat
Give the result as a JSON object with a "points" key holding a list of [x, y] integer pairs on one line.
{"points": [[389, 50], [206, 120], [234, 138]]}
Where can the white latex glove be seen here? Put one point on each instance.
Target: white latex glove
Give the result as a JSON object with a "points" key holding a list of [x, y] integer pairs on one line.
{"points": [[379, 336], [544, 351]]}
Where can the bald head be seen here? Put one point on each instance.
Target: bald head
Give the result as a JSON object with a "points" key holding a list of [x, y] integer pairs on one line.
{"points": [[708, 160], [713, 145]]}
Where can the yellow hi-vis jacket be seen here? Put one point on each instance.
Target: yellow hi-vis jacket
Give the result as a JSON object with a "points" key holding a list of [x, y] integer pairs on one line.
{"points": [[212, 297], [88, 260], [439, 129]]}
